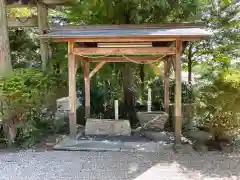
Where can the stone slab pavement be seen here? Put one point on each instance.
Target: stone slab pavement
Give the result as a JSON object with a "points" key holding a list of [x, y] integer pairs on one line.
{"points": [[83, 165], [105, 145]]}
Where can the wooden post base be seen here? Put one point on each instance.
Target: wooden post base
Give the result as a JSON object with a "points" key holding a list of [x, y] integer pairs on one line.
{"points": [[72, 124], [87, 112], [177, 127]]}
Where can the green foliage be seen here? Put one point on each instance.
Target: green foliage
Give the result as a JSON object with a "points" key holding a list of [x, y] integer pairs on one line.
{"points": [[24, 48], [128, 11], [158, 92], [219, 103], [222, 19], [28, 99]]}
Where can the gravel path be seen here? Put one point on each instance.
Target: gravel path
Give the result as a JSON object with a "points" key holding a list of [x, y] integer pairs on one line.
{"points": [[63, 165]]}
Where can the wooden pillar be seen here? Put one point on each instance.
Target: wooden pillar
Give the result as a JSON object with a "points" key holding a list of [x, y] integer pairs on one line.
{"points": [[178, 99], [43, 26], [72, 90], [5, 58], [86, 88], [166, 85]]}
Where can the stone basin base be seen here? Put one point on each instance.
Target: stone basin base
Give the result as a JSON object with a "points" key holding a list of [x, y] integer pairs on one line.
{"points": [[108, 127], [153, 121]]}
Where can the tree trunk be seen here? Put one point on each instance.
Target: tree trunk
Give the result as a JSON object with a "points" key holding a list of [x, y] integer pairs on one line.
{"points": [[43, 26], [129, 94], [128, 84], [5, 58]]}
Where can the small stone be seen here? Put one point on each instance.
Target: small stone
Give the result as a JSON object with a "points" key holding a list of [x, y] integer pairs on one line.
{"points": [[200, 136], [183, 148], [185, 122], [159, 136], [237, 140], [226, 138], [185, 140], [50, 144], [200, 147], [192, 124], [227, 148]]}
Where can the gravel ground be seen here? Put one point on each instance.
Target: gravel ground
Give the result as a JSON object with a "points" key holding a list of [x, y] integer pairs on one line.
{"points": [[63, 165]]}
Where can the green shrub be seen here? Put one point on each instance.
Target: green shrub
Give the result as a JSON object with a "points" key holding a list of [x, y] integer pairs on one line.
{"points": [[219, 102], [28, 100]]}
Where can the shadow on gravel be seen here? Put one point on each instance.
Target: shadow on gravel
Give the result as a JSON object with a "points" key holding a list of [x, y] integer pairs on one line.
{"points": [[192, 165]]}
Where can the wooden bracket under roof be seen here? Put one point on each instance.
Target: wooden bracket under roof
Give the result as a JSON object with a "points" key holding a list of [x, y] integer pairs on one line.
{"points": [[27, 3]]}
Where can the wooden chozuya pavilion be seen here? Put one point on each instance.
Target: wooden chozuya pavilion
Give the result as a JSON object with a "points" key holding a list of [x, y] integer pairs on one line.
{"points": [[105, 43], [125, 43]]}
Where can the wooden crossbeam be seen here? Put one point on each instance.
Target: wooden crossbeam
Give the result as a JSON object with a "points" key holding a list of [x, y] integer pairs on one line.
{"points": [[48, 2], [125, 51], [56, 2], [23, 22], [123, 59], [125, 44], [17, 5], [96, 69]]}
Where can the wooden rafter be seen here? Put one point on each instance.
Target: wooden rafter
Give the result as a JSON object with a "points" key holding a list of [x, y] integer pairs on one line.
{"points": [[123, 59], [96, 69], [125, 51], [23, 22]]}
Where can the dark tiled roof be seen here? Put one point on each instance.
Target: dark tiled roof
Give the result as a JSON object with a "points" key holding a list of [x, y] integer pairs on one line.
{"points": [[21, 1], [128, 31]]}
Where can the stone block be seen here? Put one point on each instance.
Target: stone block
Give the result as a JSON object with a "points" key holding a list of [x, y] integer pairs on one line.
{"points": [[63, 104], [153, 121], [63, 107], [108, 127], [237, 140]]}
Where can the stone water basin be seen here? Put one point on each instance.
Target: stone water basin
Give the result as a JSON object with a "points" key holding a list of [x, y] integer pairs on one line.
{"points": [[154, 121]]}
